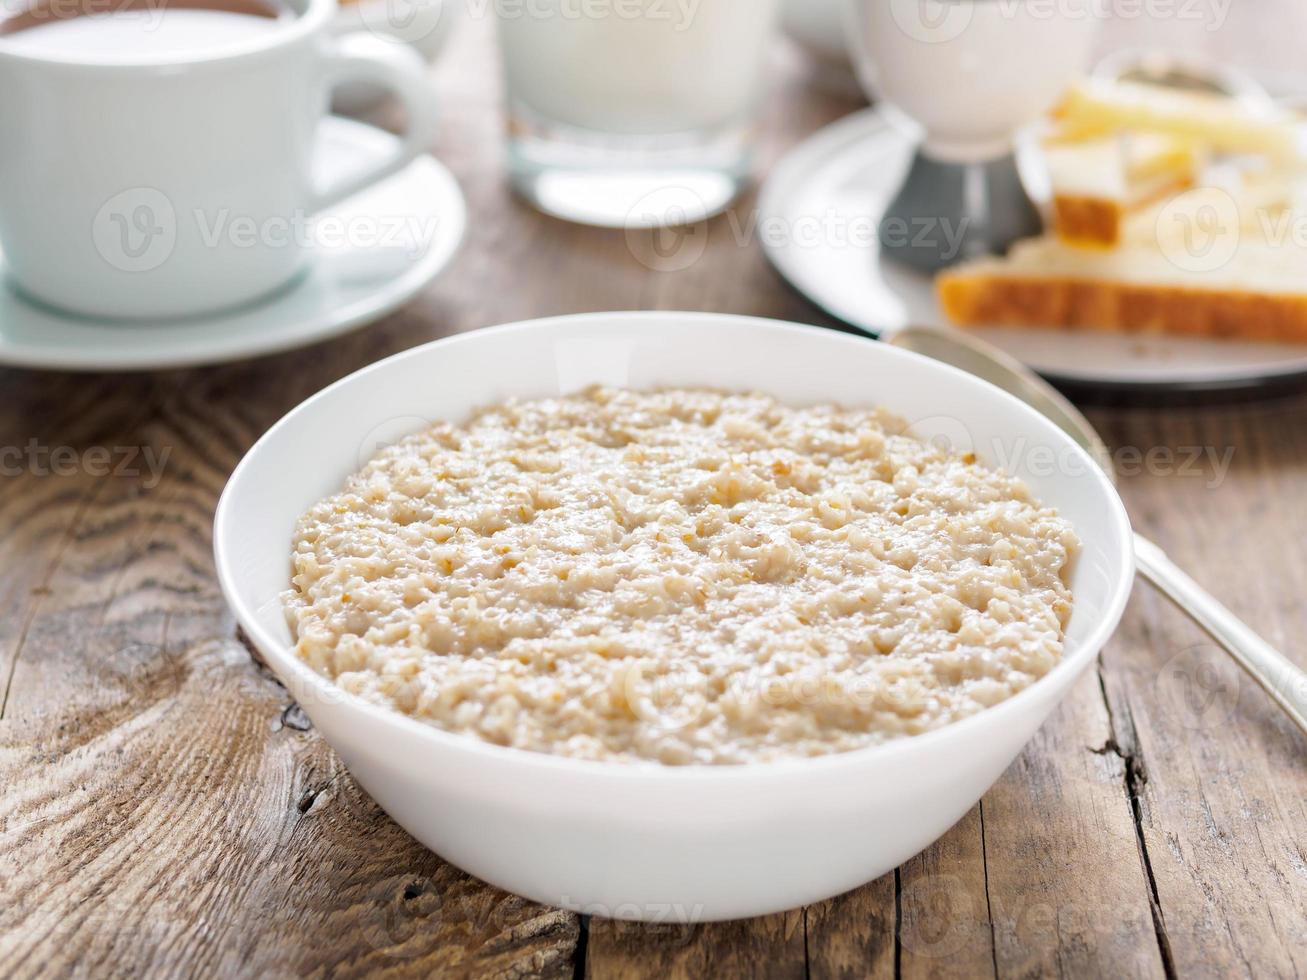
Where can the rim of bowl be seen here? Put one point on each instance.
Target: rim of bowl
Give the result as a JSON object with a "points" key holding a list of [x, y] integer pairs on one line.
{"points": [[282, 659]]}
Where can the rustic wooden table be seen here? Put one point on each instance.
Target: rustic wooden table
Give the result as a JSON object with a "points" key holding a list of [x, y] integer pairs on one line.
{"points": [[165, 809]]}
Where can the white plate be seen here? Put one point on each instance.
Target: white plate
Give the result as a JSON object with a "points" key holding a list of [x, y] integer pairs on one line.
{"points": [[818, 215], [649, 841], [372, 253]]}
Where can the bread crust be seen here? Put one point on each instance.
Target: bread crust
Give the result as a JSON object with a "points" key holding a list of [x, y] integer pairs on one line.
{"points": [[1083, 220], [981, 298]]}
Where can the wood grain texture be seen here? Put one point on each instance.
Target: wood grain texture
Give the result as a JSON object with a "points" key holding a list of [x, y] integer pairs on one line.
{"points": [[1220, 774], [1042, 877], [769, 948], [855, 935], [166, 810]]}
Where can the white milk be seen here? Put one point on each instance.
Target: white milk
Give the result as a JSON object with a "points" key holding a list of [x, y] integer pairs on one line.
{"points": [[643, 67]]}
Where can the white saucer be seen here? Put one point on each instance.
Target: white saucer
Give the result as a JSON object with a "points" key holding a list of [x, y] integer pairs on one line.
{"points": [[372, 253], [818, 216]]}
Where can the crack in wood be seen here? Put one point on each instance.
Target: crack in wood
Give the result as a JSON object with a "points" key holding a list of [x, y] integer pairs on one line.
{"points": [[44, 589], [310, 795], [807, 954], [898, 924], [1136, 777], [582, 946], [989, 905]]}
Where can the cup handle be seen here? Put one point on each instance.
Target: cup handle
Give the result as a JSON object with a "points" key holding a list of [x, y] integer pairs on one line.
{"points": [[363, 58]]}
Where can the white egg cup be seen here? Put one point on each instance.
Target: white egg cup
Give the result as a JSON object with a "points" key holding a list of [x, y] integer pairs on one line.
{"points": [[970, 74]]}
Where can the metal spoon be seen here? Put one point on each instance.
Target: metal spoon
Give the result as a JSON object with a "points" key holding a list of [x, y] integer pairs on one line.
{"points": [[1273, 672]]}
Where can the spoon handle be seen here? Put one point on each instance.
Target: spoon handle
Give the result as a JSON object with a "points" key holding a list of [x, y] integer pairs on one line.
{"points": [[1275, 674]]}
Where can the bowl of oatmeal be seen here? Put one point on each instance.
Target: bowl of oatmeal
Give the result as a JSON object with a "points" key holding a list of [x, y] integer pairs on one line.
{"points": [[625, 612]]}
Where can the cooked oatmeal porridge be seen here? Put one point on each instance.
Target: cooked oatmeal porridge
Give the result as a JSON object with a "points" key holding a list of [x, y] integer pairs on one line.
{"points": [[681, 576]]}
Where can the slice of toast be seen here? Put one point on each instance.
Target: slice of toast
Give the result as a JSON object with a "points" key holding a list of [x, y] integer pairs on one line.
{"points": [[1098, 184], [1257, 290], [1098, 108]]}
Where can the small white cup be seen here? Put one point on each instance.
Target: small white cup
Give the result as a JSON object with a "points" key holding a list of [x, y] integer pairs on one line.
{"points": [[177, 185], [971, 72]]}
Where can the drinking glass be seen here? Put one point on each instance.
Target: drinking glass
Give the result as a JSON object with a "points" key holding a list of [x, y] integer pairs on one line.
{"points": [[632, 113]]}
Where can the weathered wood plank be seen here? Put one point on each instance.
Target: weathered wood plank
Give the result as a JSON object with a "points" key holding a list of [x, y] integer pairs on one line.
{"points": [[166, 811], [944, 906], [1067, 886], [853, 936], [1219, 777], [44, 437], [1044, 876], [770, 948]]}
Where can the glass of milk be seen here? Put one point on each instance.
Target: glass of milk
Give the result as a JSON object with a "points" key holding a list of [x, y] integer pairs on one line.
{"points": [[632, 113]]}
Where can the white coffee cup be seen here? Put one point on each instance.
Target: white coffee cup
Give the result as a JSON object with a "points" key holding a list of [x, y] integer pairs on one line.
{"points": [[175, 183]]}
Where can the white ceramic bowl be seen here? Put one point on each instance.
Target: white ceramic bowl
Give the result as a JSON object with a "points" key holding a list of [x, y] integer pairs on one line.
{"points": [[645, 841]]}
